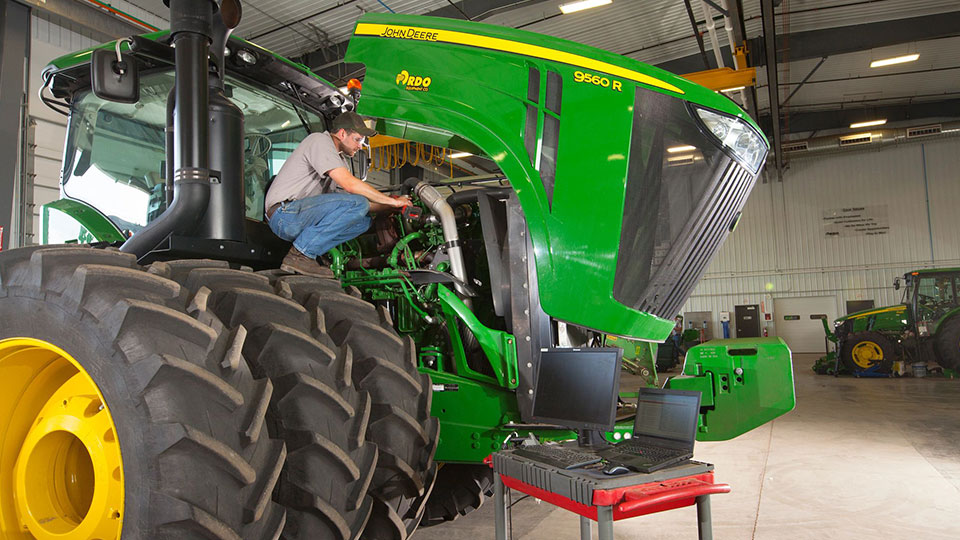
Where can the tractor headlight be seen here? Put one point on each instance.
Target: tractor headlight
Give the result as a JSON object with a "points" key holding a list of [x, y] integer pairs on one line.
{"points": [[738, 136]]}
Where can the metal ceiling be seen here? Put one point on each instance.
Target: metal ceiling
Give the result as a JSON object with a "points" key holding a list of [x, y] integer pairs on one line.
{"points": [[659, 32]]}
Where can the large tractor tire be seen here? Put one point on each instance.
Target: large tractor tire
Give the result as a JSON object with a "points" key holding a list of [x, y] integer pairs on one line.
{"points": [[460, 489], [341, 479], [868, 352], [121, 415], [385, 366], [315, 407], [947, 344]]}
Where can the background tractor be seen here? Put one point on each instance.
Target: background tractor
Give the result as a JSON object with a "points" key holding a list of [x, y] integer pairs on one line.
{"points": [[164, 380], [925, 325]]}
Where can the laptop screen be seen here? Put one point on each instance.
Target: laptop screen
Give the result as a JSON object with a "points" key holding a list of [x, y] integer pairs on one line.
{"points": [[667, 414]]}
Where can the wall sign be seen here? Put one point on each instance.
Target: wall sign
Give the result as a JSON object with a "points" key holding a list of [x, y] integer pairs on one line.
{"points": [[856, 221]]}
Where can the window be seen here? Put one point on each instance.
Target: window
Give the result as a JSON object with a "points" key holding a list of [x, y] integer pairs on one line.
{"points": [[935, 296], [115, 156]]}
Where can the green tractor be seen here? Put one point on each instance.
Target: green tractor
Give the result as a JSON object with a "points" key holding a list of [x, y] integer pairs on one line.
{"points": [[162, 379], [925, 324]]}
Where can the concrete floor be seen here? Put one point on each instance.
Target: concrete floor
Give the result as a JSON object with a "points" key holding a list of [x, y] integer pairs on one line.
{"points": [[857, 459]]}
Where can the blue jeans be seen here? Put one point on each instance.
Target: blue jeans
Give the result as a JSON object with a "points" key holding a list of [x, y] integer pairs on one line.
{"points": [[318, 223]]}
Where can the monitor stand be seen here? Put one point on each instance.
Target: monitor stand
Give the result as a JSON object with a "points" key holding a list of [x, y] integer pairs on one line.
{"points": [[591, 438]]}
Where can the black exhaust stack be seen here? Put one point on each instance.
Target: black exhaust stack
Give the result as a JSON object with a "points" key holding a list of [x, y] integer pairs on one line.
{"points": [[207, 194]]}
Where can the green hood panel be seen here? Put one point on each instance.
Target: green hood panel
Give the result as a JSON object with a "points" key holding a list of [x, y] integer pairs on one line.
{"points": [[896, 312], [483, 87]]}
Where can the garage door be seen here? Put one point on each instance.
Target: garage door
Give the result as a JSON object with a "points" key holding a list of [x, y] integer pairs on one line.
{"points": [[798, 321]]}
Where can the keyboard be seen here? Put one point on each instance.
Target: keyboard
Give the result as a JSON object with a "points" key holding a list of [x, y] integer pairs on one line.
{"points": [[556, 456], [636, 448]]}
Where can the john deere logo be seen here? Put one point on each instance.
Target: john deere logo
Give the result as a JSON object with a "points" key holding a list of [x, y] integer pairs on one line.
{"points": [[412, 82]]}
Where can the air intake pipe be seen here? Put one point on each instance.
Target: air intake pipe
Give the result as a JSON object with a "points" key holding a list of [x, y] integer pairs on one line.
{"points": [[439, 206], [191, 27]]}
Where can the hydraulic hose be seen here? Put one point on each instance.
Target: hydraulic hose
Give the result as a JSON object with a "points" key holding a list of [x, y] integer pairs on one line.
{"points": [[439, 206]]}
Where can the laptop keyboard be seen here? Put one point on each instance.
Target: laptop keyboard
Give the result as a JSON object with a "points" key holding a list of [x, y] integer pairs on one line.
{"points": [[561, 458], [637, 448]]}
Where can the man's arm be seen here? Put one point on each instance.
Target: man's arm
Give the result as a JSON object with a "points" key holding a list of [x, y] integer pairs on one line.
{"points": [[352, 184]]}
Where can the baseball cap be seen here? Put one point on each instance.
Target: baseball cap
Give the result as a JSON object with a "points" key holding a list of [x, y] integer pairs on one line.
{"points": [[354, 122]]}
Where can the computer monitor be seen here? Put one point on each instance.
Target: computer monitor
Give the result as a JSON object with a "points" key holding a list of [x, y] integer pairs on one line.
{"points": [[577, 388]]}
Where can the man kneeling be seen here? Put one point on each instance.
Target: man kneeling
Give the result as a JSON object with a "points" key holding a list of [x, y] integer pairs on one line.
{"points": [[316, 203]]}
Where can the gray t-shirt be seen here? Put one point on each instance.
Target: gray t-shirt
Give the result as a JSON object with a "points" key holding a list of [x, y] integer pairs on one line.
{"points": [[304, 174]]}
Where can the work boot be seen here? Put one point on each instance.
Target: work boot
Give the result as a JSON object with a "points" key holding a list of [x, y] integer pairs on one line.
{"points": [[298, 263]]}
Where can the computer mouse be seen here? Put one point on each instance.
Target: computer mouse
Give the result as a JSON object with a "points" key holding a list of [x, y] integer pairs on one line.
{"points": [[614, 469]]}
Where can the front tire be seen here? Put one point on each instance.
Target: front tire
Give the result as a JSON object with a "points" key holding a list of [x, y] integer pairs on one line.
{"points": [[460, 489], [119, 415], [868, 351]]}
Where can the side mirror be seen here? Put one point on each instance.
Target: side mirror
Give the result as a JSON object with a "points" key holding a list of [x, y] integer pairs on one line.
{"points": [[896, 284], [113, 79]]}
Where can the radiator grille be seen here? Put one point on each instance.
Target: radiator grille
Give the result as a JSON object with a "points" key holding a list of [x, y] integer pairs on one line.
{"points": [[686, 262]]}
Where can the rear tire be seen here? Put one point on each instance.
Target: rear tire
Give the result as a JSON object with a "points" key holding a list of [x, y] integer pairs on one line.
{"points": [[868, 351], [315, 407], [297, 332], [185, 420], [947, 344], [385, 365], [460, 489]]}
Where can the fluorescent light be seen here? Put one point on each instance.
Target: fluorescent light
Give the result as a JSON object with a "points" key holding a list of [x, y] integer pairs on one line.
{"points": [[284, 124], [896, 60], [734, 89], [459, 155], [573, 7], [675, 149], [868, 124]]}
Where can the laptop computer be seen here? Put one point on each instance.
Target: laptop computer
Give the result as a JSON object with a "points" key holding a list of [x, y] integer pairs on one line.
{"points": [[664, 431]]}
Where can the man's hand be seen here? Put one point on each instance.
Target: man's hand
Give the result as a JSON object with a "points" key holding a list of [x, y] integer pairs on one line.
{"points": [[352, 184], [400, 202]]}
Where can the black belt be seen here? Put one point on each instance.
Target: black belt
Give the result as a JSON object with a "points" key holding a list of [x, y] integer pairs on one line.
{"points": [[273, 209]]}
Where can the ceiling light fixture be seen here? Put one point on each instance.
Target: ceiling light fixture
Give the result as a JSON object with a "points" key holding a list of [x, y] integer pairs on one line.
{"points": [[868, 124], [895, 60], [574, 7], [459, 155], [675, 149], [734, 89]]}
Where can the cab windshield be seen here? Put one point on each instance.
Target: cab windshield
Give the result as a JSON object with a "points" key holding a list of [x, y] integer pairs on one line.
{"points": [[936, 295], [114, 158]]}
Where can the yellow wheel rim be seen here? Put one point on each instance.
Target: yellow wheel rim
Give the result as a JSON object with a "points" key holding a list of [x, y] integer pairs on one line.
{"points": [[866, 354], [61, 476]]}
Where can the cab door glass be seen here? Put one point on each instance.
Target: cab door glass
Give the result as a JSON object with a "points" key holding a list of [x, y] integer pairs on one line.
{"points": [[935, 297]]}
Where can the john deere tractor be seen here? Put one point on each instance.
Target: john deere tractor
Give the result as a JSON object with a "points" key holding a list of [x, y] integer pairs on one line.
{"points": [[924, 325], [162, 379]]}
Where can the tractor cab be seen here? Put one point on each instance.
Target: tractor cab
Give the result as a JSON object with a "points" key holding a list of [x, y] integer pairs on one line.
{"points": [[932, 295]]}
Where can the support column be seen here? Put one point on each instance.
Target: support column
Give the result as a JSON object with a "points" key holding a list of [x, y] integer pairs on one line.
{"points": [[14, 64]]}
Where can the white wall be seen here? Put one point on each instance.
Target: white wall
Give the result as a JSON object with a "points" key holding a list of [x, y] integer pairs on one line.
{"points": [[49, 40], [780, 249]]}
